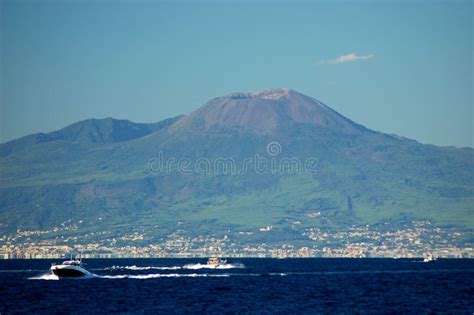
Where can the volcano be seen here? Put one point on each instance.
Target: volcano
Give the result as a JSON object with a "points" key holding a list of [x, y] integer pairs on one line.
{"points": [[265, 112], [104, 173]]}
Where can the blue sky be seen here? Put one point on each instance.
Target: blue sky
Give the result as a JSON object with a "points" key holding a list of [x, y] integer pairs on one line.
{"points": [[402, 67]]}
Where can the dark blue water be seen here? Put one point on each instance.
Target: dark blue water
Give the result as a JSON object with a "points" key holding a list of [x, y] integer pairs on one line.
{"points": [[244, 285]]}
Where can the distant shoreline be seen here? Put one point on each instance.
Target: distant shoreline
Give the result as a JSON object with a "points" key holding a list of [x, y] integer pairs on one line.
{"points": [[250, 257]]}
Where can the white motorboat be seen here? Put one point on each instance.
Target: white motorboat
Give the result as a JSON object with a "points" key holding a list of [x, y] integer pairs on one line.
{"points": [[69, 269], [429, 257], [216, 261]]}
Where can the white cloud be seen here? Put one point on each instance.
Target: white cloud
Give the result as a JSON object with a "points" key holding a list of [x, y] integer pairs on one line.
{"points": [[347, 58]]}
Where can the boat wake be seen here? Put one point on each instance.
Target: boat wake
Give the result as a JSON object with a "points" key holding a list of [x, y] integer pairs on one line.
{"points": [[142, 268], [45, 276], [163, 275], [188, 266], [206, 266], [51, 276]]}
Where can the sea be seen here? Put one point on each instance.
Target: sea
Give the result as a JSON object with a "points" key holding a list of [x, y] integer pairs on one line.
{"points": [[255, 286]]}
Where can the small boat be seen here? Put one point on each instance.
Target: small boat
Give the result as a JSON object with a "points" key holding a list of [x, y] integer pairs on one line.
{"points": [[216, 261], [69, 269], [429, 257]]}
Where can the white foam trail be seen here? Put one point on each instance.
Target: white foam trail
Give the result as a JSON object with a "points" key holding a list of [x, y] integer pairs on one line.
{"points": [[206, 266], [50, 276], [188, 266], [134, 267], [163, 275], [46, 276]]}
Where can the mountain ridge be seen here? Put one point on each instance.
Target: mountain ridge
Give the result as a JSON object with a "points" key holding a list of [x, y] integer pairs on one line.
{"points": [[92, 130], [40, 137], [363, 176], [265, 111]]}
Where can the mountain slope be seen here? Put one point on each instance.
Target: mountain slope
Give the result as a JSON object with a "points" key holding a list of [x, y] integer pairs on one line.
{"points": [[265, 112], [116, 183], [107, 130]]}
